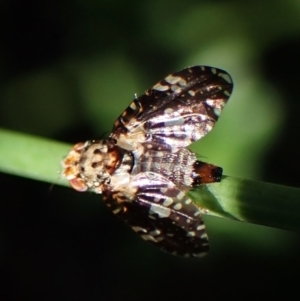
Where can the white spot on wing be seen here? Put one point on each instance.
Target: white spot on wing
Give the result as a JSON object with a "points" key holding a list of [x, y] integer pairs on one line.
{"points": [[204, 236], [180, 195], [148, 237], [217, 112], [191, 92], [160, 210], [176, 89], [188, 201], [160, 87], [168, 111], [138, 229], [173, 79], [191, 233], [226, 77], [178, 206], [210, 102], [167, 202], [182, 82], [116, 211], [200, 227], [133, 106], [197, 213], [226, 93], [155, 232]]}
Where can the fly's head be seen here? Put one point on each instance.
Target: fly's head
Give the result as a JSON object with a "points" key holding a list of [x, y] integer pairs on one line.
{"points": [[91, 164]]}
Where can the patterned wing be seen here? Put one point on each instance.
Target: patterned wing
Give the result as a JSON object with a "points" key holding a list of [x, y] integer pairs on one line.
{"points": [[161, 214], [180, 109]]}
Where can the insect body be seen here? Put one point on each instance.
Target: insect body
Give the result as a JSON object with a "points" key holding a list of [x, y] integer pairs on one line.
{"points": [[144, 170]]}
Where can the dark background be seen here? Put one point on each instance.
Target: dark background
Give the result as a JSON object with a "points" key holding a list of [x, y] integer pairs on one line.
{"points": [[69, 68]]}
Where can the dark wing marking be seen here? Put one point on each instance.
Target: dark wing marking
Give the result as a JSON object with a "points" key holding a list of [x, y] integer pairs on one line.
{"points": [[180, 109], [162, 215]]}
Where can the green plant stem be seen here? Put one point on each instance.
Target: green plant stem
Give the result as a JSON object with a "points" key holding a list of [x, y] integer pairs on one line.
{"points": [[244, 200], [32, 157]]}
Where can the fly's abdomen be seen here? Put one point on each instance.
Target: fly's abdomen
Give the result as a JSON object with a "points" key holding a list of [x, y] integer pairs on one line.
{"points": [[205, 173], [178, 167], [181, 167]]}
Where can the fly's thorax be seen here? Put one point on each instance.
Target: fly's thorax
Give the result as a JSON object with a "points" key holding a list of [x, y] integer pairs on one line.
{"points": [[93, 163]]}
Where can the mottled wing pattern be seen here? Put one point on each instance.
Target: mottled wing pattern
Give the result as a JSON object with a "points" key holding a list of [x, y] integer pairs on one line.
{"points": [[161, 214], [180, 109]]}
